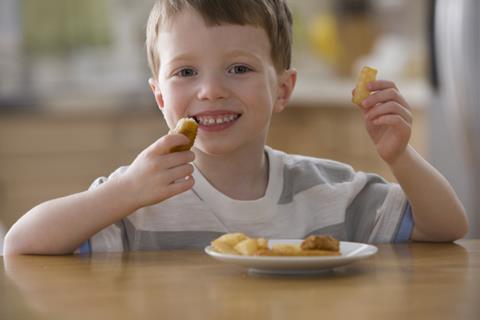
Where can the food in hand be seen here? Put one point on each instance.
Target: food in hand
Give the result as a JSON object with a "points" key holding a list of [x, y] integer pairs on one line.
{"points": [[240, 244], [187, 127], [367, 75]]}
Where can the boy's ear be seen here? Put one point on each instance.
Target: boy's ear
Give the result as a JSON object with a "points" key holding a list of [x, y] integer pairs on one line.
{"points": [[286, 85], [156, 92]]}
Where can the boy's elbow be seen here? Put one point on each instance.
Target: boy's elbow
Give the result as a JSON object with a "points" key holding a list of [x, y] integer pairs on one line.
{"points": [[15, 243], [10, 245], [457, 232], [445, 233], [463, 229], [460, 230], [462, 226], [454, 235], [457, 227]]}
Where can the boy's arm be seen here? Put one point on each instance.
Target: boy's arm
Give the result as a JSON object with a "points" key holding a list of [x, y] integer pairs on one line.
{"points": [[437, 211], [60, 226]]}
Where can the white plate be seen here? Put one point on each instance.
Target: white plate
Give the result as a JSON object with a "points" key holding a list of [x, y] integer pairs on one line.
{"points": [[350, 252]]}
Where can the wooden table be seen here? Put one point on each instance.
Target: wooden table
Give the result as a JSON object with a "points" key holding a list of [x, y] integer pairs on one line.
{"points": [[408, 281]]}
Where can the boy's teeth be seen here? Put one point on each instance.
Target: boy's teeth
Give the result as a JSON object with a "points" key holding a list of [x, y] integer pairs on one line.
{"points": [[210, 120]]}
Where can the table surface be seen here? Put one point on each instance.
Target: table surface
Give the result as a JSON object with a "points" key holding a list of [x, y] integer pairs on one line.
{"points": [[405, 281]]}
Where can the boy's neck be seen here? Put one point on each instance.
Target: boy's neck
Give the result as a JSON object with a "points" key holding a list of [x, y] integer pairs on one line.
{"points": [[240, 176]]}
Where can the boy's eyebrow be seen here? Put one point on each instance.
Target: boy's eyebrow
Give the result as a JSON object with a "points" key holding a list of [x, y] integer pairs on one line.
{"points": [[188, 56], [240, 52], [179, 58]]}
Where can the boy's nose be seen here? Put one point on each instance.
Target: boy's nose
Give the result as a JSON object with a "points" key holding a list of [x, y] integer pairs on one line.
{"points": [[212, 88]]}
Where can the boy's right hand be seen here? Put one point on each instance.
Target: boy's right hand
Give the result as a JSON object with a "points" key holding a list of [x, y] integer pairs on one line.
{"points": [[156, 175]]}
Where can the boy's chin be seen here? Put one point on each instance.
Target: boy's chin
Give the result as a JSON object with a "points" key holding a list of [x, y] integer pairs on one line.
{"points": [[214, 150], [219, 149]]}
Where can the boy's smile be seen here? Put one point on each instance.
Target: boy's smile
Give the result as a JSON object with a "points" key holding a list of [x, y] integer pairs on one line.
{"points": [[223, 76], [216, 120]]}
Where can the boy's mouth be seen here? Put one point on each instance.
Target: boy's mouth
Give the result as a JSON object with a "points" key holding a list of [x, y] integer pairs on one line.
{"points": [[216, 120]]}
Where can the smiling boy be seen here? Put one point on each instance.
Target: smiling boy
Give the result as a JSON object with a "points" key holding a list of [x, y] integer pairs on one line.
{"points": [[227, 65]]}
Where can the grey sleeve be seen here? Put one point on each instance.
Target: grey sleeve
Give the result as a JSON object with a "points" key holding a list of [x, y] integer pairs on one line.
{"points": [[376, 211], [111, 238], [100, 180]]}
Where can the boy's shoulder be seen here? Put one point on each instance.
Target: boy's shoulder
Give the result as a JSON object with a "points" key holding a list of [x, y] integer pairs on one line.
{"points": [[304, 174]]}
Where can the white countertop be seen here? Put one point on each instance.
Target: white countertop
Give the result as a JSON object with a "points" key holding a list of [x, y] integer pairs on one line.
{"points": [[313, 92]]}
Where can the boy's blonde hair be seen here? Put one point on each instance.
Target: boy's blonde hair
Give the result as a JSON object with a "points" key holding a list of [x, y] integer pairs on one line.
{"points": [[273, 16]]}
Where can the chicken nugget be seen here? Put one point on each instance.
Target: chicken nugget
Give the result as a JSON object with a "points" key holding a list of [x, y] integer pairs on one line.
{"points": [[315, 242], [187, 127]]}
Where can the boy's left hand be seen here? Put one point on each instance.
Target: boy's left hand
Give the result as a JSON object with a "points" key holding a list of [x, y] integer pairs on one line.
{"points": [[388, 119]]}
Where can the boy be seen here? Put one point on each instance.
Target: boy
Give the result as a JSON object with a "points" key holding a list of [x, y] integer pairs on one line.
{"points": [[227, 65]]}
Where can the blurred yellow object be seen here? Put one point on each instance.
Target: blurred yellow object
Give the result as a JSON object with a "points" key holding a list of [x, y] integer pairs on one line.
{"points": [[232, 239], [367, 74], [224, 247], [240, 244], [324, 38], [340, 40], [247, 247]]}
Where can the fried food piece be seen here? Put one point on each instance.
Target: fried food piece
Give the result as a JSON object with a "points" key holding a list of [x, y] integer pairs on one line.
{"points": [[293, 250], [247, 247], [262, 243], [188, 127], [227, 243], [286, 250], [240, 244], [232, 238], [314, 242], [224, 247], [320, 253], [290, 252], [366, 75]]}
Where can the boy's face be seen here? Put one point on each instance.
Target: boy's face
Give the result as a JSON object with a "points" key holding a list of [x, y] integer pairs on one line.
{"points": [[224, 77]]}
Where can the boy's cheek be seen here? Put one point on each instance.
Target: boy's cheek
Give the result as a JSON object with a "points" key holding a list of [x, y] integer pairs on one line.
{"points": [[172, 114], [167, 115]]}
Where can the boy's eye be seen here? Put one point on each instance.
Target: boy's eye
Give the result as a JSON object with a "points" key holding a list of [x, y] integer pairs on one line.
{"points": [[239, 69], [186, 72]]}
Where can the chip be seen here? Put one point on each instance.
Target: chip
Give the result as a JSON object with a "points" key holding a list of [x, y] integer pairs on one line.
{"points": [[367, 75]]}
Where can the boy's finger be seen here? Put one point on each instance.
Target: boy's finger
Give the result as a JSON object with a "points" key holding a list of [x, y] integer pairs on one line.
{"points": [[391, 120], [389, 108], [383, 96], [381, 85], [179, 186], [167, 142], [175, 159], [179, 173]]}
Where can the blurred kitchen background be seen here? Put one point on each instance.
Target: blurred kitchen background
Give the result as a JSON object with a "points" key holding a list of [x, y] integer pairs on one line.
{"points": [[75, 103]]}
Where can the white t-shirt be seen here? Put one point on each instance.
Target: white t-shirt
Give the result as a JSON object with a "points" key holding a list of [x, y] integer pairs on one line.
{"points": [[304, 196]]}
